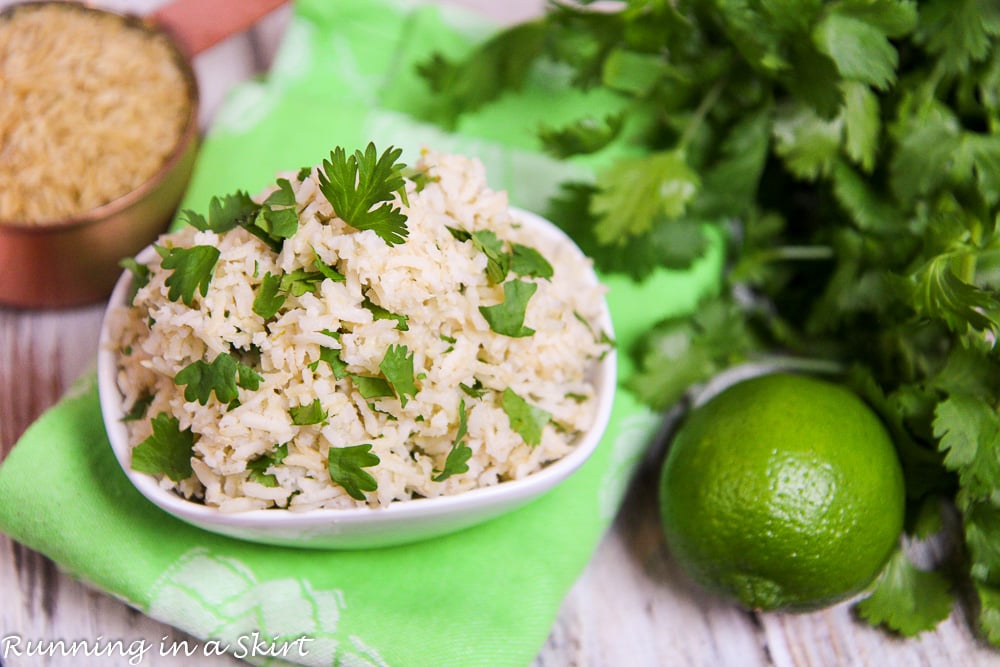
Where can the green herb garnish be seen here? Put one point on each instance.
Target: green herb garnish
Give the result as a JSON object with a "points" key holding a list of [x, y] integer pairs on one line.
{"points": [[223, 376], [346, 469], [140, 277], [507, 318], [258, 467], [397, 367], [331, 356], [361, 188], [525, 419], [277, 219], [372, 387], [167, 451], [193, 269], [460, 453], [139, 408], [475, 390], [269, 299], [306, 415], [380, 313], [528, 262], [224, 213]]}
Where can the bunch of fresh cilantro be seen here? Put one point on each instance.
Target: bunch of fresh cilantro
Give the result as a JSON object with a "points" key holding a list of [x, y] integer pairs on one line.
{"points": [[849, 153]]}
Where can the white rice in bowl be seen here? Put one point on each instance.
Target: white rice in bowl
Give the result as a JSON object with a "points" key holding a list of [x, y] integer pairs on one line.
{"points": [[320, 407]]}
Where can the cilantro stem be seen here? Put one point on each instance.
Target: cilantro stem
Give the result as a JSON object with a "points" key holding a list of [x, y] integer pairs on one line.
{"points": [[798, 252], [967, 264], [701, 112]]}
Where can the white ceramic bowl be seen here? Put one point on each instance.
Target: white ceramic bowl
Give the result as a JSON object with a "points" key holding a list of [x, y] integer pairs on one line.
{"points": [[358, 528]]}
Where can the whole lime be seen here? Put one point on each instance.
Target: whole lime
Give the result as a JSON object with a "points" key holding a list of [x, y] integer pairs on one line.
{"points": [[783, 492]]}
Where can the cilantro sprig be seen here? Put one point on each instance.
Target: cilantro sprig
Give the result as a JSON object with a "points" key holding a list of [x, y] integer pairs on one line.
{"points": [[192, 270], [362, 186]]}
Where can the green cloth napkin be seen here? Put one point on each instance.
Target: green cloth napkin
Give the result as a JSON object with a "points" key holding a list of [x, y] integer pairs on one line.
{"points": [[485, 596]]}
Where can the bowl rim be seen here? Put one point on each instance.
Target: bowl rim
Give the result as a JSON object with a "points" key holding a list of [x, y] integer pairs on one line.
{"points": [[536, 483], [188, 135]]}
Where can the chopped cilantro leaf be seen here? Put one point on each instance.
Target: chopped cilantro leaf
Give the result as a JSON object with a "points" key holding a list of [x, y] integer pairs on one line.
{"points": [[361, 187], [331, 356], [167, 451], [300, 281], [257, 467], [475, 390], [140, 276], [460, 453], [420, 178], [507, 318], [526, 261], [486, 241], [193, 269], [138, 409], [380, 313], [372, 387], [268, 300], [525, 419], [497, 260], [222, 376], [327, 270], [277, 219], [397, 367], [224, 213], [347, 469], [306, 415]]}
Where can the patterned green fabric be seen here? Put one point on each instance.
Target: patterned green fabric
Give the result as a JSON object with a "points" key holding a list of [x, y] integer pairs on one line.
{"points": [[485, 596]]}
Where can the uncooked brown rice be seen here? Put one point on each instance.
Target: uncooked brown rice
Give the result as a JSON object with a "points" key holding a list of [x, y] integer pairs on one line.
{"points": [[91, 105]]}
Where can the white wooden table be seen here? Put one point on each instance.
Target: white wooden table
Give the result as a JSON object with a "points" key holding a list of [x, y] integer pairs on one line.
{"points": [[632, 606]]}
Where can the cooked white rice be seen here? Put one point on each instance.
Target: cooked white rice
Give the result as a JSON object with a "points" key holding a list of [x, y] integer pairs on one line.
{"points": [[437, 282]]}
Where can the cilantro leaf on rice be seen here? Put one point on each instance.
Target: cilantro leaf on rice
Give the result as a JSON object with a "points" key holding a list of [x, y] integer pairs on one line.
{"points": [[507, 318], [167, 451], [526, 419], [361, 188], [192, 270], [346, 469], [269, 299], [457, 461], [308, 414], [397, 367], [223, 376]]}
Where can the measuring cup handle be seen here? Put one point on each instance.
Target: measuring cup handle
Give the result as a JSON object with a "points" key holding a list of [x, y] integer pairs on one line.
{"points": [[200, 24]]}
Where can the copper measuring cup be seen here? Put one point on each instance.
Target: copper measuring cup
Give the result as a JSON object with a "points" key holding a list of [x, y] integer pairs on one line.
{"points": [[74, 260]]}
